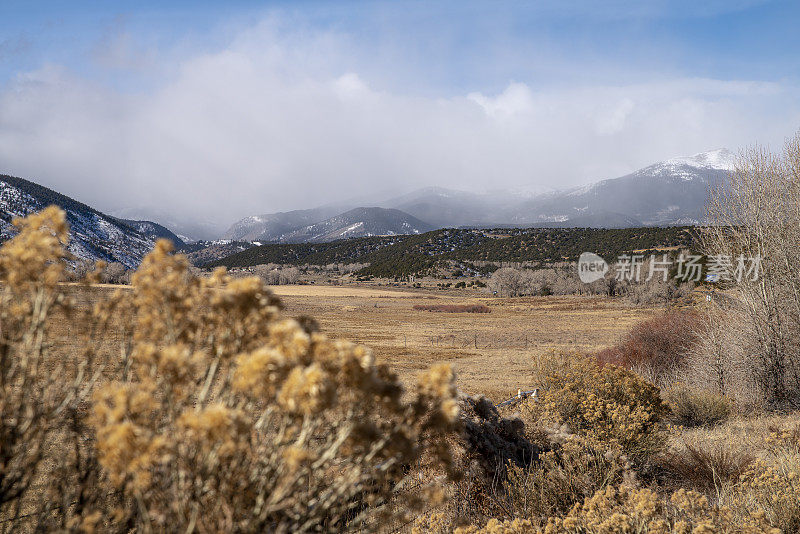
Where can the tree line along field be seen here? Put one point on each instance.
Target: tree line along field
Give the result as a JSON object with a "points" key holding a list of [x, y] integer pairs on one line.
{"points": [[400, 256]]}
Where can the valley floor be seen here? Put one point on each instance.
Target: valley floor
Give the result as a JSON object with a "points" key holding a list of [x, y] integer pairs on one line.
{"points": [[491, 352]]}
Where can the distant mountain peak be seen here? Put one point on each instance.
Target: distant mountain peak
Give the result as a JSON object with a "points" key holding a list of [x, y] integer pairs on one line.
{"points": [[688, 168], [359, 222], [720, 159]]}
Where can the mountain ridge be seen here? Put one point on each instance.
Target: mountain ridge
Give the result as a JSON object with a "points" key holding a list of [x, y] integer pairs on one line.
{"points": [[359, 222], [670, 192], [93, 235]]}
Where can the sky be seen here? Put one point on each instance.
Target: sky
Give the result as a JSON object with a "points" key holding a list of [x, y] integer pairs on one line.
{"points": [[213, 111]]}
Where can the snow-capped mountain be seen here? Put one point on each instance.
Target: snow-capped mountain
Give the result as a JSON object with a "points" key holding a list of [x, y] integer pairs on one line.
{"points": [[93, 235], [665, 193], [359, 222]]}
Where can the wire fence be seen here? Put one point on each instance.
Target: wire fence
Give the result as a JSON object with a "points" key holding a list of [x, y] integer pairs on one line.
{"points": [[478, 341]]}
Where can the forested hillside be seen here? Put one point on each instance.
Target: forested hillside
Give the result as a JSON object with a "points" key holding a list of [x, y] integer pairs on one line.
{"points": [[415, 254]]}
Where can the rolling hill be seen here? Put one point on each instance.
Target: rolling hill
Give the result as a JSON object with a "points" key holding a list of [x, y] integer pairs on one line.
{"points": [[271, 227], [403, 255]]}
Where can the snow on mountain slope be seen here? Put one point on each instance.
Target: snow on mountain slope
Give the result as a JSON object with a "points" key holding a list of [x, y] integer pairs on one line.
{"points": [[153, 230], [692, 167], [359, 222], [720, 159], [93, 235]]}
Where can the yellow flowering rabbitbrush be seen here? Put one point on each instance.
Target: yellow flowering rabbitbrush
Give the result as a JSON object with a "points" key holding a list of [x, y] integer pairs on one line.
{"points": [[608, 405], [34, 391], [772, 484], [625, 510]]}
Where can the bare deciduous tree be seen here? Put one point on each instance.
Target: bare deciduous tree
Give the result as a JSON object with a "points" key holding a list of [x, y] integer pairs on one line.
{"points": [[274, 275], [757, 215], [508, 282], [116, 273], [289, 275]]}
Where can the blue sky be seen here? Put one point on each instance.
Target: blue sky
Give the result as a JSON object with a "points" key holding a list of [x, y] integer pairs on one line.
{"points": [[454, 46], [298, 102]]}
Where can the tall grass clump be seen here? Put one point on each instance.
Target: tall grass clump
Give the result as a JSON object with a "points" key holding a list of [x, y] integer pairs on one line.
{"points": [[706, 469], [691, 407], [214, 412], [563, 476]]}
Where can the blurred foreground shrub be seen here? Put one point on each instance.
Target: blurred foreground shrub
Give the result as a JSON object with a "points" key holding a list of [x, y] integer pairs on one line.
{"points": [[219, 415], [626, 510]]}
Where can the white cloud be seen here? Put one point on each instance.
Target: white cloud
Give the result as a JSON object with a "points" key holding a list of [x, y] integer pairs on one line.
{"points": [[516, 99], [349, 87], [280, 122]]}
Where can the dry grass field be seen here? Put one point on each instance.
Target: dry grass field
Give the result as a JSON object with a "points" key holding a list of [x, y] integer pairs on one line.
{"points": [[491, 352]]}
